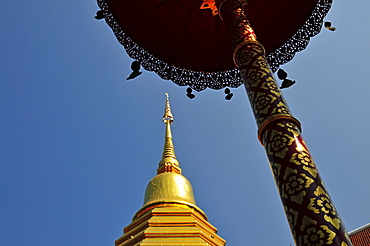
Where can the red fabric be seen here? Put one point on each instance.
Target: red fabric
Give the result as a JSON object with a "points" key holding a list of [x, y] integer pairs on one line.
{"points": [[181, 34]]}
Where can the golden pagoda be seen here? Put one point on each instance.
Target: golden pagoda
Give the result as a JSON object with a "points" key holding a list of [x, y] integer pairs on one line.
{"points": [[170, 215]]}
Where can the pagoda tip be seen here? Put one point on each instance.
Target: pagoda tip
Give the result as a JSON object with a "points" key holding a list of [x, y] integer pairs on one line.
{"points": [[167, 117]]}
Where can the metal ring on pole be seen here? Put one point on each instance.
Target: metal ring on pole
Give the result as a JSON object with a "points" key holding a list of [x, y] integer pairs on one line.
{"points": [[274, 118]]}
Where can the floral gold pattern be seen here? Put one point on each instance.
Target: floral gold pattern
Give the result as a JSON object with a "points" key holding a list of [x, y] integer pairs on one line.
{"points": [[317, 237], [292, 215], [294, 187], [280, 108], [323, 204], [263, 102], [279, 144], [311, 215], [276, 169], [304, 158]]}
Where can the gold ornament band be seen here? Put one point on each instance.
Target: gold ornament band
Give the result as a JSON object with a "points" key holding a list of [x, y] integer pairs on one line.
{"points": [[274, 118]]}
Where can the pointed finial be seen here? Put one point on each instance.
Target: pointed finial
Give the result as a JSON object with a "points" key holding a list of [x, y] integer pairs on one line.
{"points": [[169, 162], [167, 117]]}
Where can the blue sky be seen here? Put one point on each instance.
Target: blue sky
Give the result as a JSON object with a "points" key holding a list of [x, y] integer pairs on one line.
{"points": [[79, 143]]}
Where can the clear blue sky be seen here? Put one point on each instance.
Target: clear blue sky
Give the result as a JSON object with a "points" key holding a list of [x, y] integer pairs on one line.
{"points": [[79, 143]]}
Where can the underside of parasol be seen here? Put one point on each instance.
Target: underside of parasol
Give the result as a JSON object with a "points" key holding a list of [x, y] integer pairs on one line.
{"points": [[188, 45]]}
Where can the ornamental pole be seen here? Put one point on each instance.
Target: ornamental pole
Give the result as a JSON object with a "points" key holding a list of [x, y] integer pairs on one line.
{"points": [[311, 215]]}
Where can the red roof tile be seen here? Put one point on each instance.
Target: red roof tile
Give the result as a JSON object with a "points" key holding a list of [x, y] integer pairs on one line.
{"points": [[361, 236]]}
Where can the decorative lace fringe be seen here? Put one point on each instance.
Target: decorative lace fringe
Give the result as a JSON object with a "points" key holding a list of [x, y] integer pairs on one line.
{"points": [[217, 80]]}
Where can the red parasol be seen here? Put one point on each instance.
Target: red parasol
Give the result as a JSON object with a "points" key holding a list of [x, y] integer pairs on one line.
{"points": [[188, 45]]}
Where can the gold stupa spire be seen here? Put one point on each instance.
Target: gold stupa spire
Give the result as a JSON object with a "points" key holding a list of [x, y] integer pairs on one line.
{"points": [[169, 185], [167, 117], [169, 215], [169, 162]]}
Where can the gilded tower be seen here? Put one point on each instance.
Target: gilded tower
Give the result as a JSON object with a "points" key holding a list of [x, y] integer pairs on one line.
{"points": [[169, 215]]}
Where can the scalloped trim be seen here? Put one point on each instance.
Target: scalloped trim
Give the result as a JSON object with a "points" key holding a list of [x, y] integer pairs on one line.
{"points": [[217, 80]]}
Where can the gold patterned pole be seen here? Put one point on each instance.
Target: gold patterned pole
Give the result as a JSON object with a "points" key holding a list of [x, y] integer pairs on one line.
{"points": [[312, 217]]}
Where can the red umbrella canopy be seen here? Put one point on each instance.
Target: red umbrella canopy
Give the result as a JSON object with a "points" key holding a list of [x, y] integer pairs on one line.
{"points": [[189, 45]]}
